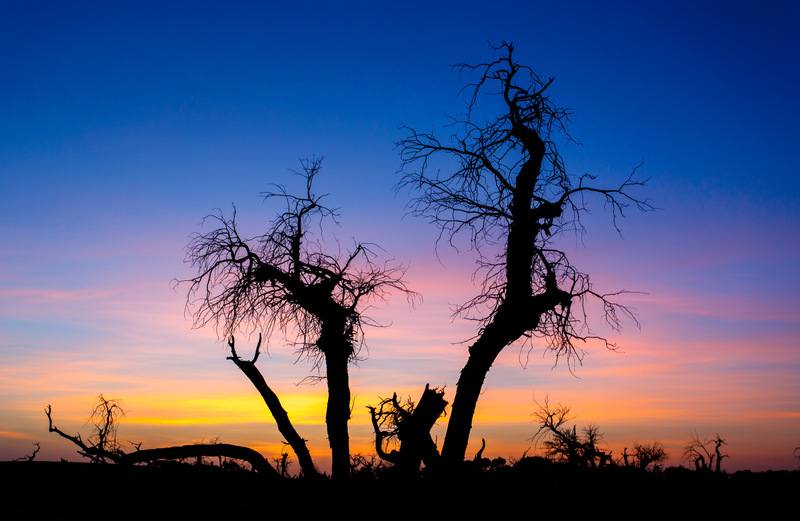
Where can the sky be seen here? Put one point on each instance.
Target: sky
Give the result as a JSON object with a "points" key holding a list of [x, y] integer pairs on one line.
{"points": [[123, 124]]}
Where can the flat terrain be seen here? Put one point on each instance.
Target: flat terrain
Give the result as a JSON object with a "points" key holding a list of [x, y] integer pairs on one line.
{"points": [[66, 491]]}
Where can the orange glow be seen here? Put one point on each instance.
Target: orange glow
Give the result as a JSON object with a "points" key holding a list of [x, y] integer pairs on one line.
{"points": [[13, 435]]}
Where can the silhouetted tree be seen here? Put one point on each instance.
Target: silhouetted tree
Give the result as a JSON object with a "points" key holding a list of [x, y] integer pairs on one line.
{"points": [[409, 425], [284, 280], [105, 419], [510, 195], [102, 447], [565, 444], [647, 454], [282, 464], [706, 454]]}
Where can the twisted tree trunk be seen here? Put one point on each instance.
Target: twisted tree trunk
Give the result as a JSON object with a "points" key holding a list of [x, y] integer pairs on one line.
{"points": [[519, 310]]}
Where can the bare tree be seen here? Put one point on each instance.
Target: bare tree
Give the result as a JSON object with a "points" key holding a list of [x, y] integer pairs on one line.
{"points": [[105, 419], [565, 444], [101, 446], [32, 455], [510, 195], [706, 454], [647, 454], [285, 281], [409, 425]]}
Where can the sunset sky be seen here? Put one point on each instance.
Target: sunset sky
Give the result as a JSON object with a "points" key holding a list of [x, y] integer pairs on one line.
{"points": [[124, 123]]}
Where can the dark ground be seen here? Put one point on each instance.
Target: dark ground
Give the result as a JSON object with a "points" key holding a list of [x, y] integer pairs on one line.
{"points": [[66, 491]]}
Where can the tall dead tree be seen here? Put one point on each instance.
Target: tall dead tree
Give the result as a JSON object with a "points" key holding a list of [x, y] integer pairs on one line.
{"points": [[284, 281], [508, 192]]}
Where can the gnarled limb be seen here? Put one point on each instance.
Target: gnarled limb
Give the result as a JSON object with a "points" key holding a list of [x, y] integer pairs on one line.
{"points": [[98, 453], [285, 426], [95, 452], [224, 450], [410, 424], [33, 454]]}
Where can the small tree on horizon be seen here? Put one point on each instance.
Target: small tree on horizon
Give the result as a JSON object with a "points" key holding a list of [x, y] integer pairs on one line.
{"points": [[706, 454], [647, 454], [101, 445], [567, 445]]}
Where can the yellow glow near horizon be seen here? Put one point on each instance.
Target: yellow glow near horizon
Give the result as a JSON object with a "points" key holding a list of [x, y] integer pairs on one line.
{"points": [[303, 408]]}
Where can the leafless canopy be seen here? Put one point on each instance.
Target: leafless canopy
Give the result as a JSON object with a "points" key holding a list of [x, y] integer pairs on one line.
{"points": [[511, 197], [285, 278]]}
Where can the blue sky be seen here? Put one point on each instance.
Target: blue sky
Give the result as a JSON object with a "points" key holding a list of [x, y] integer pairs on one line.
{"points": [[123, 124]]}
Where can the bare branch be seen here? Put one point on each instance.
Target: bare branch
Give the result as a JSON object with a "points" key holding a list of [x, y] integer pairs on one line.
{"points": [[706, 453], [511, 195], [285, 281], [567, 444], [647, 454], [105, 448], [501, 183], [32, 455], [284, 424]]}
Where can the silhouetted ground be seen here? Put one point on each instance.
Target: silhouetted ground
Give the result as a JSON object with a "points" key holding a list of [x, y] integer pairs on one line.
{"points": [[66, 491]]}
